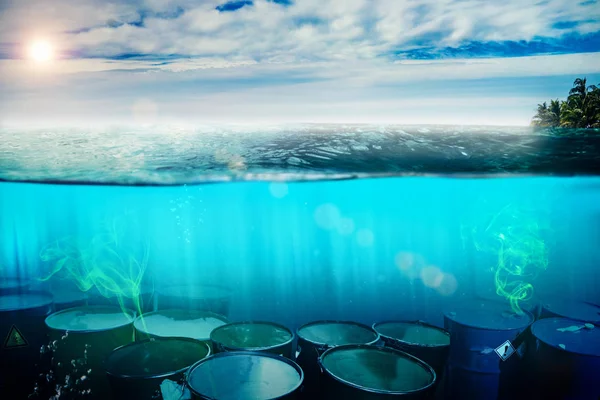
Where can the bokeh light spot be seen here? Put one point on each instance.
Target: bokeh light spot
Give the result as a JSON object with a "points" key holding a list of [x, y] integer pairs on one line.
{"points": [[278, 190], [365, 237], [432, 276], [448, 285], [345, 226], [327, 216], [405, 260]]}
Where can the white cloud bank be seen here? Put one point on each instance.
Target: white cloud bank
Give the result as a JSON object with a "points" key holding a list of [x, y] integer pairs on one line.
{"points": [[306, 30]]}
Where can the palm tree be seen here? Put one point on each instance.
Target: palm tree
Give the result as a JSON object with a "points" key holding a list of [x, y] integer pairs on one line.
{"points": [[548, 116], [582, 108]]}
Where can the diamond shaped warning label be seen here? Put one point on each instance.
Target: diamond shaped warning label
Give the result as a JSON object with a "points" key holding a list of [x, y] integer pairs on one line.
{"points": [[505, 350], [15, 339]]}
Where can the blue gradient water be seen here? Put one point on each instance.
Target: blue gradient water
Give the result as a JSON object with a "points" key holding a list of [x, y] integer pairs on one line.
{"points": [[365, 249]]}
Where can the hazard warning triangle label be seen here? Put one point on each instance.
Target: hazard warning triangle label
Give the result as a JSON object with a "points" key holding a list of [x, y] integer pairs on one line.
{"points": [[15, 339]]}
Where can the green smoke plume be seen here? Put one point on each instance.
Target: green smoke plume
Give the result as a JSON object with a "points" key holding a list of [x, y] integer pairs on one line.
{"points": [[514, 236], [105, 260]]}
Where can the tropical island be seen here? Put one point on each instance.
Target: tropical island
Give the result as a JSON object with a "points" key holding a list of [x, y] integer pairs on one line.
{"points": [[581, 109]]}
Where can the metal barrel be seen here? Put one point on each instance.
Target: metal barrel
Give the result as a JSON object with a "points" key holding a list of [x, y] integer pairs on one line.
{"points": [[212, 298], [82, 338], [316, 337], [487, 344], [242, 375], [253, 336], [566, 359], [136, 370], [178, 323], [532, 304], [567, 308], [23, 334], [426, 342], [12, 285], [366, 372]]}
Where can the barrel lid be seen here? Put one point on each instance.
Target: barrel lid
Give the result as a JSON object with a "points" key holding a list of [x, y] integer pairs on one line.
{"points": [[196, 291], [252, 335], [576, 310], [413, 333], [487, 315], [377, 369], [179, 323], [21, 301], [244, 375], [569, 335], [89, 319], [155, 358], [335, 333]]}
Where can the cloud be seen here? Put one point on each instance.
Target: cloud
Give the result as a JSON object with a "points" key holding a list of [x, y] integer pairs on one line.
{"points": [[307, 30], [302, 59]]}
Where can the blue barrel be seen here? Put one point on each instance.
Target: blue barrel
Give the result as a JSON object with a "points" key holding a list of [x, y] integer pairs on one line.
{"points": [[136, 370], [366, 372], [241, 375], [23, 334], [566, 308], [480, 332], [533, 304], [566, 358]]}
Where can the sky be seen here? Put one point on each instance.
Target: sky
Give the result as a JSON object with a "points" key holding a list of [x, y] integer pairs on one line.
{"points": [[279, 61]]}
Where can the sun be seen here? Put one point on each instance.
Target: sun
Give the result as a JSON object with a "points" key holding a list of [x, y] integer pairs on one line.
{"points": [[40, 51]]}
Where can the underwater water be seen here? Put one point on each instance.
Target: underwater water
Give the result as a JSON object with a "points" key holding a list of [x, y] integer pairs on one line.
{"points": [[364, 250], [295, 243]]}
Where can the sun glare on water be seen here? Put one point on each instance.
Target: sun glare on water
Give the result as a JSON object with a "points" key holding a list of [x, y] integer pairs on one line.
{"points": [[40, 51]]}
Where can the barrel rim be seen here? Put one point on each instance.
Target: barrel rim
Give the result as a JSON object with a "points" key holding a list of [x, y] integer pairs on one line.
{"points": [[574, 321], [71, 309], [41, 293], [173, 311], [161, 290], [529, 314], [327, 321], [404, 354], [234, 348], [155, 376], [417, 322], [286, 360], [546, 304]]}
